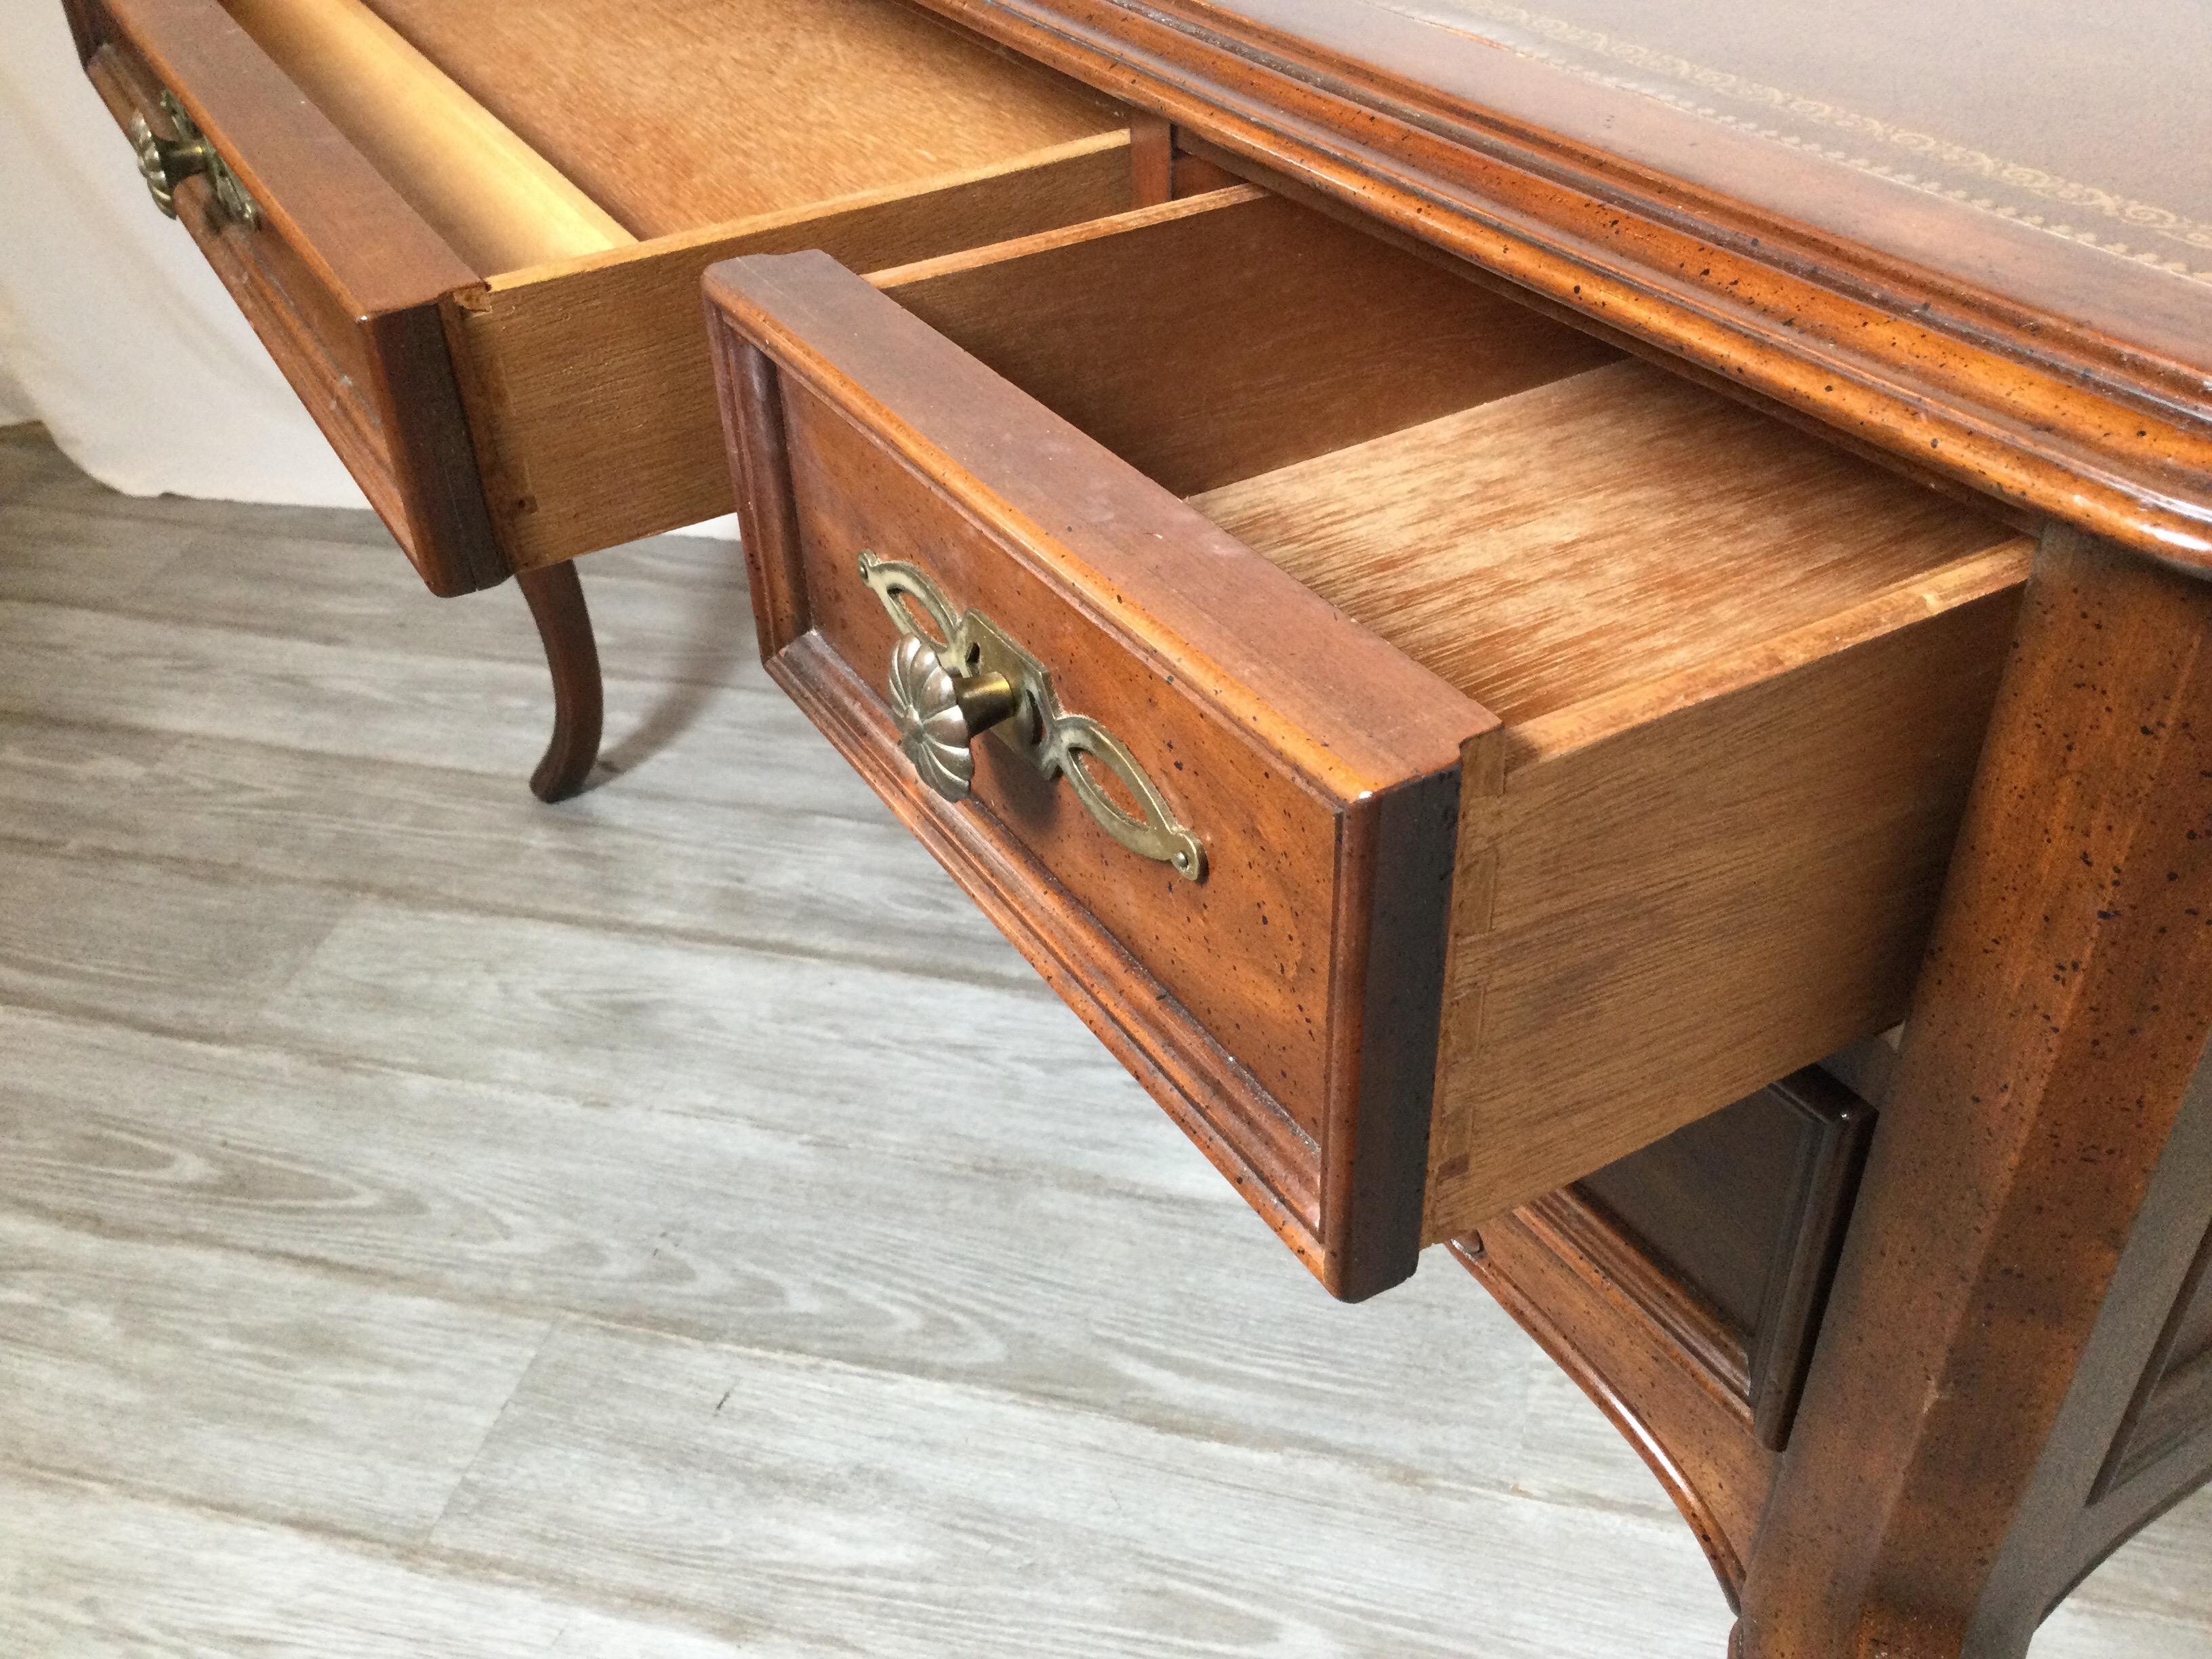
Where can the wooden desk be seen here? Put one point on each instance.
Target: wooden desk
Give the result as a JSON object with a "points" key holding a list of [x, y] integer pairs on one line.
{"points": [[1988, 311], [1974, 237]]}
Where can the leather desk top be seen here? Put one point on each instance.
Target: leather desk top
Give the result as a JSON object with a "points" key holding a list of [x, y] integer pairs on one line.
{"points": [[2046, 118]]}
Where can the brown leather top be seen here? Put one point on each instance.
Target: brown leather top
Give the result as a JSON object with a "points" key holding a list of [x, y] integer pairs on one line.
{"points": [[2050, 152], [2091, 123]]}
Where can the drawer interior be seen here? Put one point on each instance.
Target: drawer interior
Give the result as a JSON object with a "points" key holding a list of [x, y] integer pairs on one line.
{"points": [[589, 159], [1567, 534], [676, 113], [655, 117]]}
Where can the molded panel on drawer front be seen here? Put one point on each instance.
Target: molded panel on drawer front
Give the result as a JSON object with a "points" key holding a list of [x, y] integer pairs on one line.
{"points": [[1744, 1213], [1713, 689]]}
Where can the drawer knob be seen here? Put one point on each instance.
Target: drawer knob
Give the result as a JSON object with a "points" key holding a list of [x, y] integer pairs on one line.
{"points": [[961, 675], [165, 163], [940, 714]]}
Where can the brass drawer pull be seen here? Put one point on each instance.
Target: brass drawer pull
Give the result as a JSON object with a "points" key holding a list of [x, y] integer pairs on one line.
{"points": [[165, 163], [947, 691]]}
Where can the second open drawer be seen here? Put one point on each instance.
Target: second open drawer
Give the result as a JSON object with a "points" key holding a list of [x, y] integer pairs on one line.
{"points": [[1437, 753], [470, 236]]}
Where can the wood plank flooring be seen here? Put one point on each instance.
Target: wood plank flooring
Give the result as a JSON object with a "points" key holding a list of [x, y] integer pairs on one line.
{"points": [[672, 1224]]}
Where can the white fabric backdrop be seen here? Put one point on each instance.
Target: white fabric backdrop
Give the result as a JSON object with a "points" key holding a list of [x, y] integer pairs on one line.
{"points": [[113, 330]]}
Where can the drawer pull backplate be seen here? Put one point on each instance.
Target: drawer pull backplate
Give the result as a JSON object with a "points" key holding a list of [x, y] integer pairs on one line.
{"points": [[949, 688], [165, 163]]}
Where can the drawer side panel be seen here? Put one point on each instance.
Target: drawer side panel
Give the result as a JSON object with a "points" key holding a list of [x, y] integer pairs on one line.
{"points": [[1708, 900], [597, 369]]}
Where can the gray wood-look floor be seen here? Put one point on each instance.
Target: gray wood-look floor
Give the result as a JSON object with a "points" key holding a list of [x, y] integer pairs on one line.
{"points": [[671, 1223]]}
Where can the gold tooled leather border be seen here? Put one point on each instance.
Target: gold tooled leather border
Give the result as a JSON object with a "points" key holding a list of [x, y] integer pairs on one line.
{"points": [[1689, 86]]}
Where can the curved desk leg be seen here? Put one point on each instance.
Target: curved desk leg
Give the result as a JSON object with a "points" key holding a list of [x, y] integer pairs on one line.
{"points": [[2041, 1178], [556, 597]]}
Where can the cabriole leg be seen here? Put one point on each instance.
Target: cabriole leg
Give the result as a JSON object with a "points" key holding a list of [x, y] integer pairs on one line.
{"points": [[556, 597]]}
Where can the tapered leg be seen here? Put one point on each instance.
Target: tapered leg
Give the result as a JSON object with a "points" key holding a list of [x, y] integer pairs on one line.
{"points": [[2041, 1176], [556, 605]]}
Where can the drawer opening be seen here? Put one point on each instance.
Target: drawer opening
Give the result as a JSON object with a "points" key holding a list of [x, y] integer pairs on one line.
{"points": [[1579, 556], [1571, 536], [1741, 673]]}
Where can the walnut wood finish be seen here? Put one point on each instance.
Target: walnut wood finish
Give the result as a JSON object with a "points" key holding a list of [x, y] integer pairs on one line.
{"points": [[1151, 161], [1744, 1210], [554, 419], [431, 282], [2043, 1260], [1163, 167], [2038, 1192], [1719, 723], [389, 194], [1685, 234], [1584, 1290], [556, 596], [564, 283], [1646, 557], [1681, 1288]]}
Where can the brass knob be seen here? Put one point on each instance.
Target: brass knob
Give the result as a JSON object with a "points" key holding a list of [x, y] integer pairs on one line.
{"points": [[940, 713], [165, 163]]}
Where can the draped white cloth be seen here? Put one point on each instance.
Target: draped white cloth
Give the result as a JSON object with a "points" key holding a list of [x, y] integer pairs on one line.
{"points": [[113, 330]]}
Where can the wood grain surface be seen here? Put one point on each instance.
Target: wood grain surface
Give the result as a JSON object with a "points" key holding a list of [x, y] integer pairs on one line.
{"points": [[379, 1293], [584, 369], [1594, 532], [1742, 676], [339, 276], [1656, 937], [2017, 357], [1715, 641], [1206, 340], [677, 113], [1317, 765], [2041, 1184]]}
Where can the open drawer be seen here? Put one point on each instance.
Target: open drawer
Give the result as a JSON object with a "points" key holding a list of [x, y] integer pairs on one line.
{"points": [[472, 235], [1438, 754]]}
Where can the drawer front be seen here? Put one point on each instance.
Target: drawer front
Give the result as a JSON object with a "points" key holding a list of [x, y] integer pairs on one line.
{"points": [[338, 276], [1269, 958]]}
